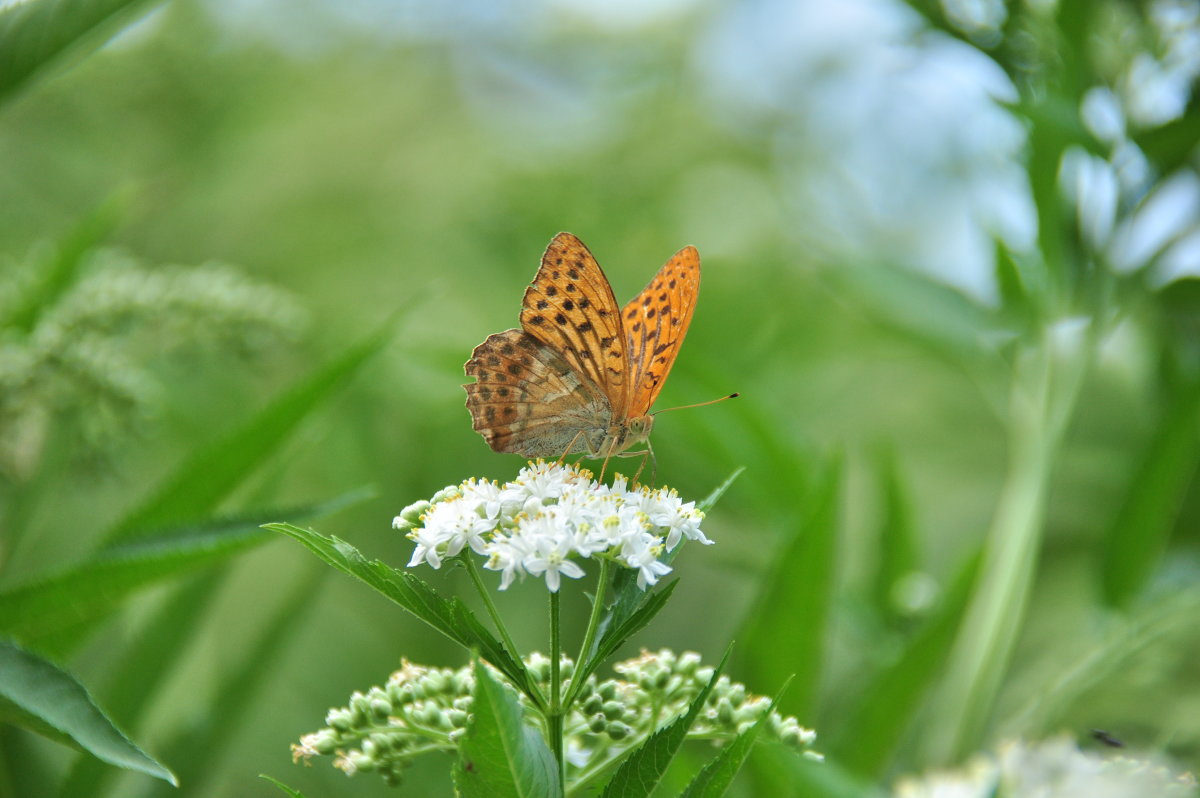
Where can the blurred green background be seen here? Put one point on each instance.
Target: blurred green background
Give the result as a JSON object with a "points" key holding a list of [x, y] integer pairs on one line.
{"points": [[950, 262]]}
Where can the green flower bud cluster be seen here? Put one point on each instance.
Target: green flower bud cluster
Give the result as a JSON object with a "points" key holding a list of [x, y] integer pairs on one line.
{"points": [[428, 709], [657, 687], [420, 709]]}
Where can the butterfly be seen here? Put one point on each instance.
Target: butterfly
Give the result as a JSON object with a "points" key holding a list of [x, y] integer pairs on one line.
{"points": [[581, 372]]}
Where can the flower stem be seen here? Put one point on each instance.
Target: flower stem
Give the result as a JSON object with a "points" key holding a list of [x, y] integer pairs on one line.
{"points": [[589, 637], [536, 695], [556, 715], [473, 570]]}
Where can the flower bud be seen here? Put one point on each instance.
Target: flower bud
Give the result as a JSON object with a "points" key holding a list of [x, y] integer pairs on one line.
{"points": [[340, 719], [612, 709], [360, 761], [618, 730]]}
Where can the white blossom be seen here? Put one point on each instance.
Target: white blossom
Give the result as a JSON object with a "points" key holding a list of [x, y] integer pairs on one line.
{"points": [[548, 520]]}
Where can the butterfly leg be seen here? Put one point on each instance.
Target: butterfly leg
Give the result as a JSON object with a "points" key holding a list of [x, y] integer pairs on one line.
{"points": [[570, 446], [648, 453]]}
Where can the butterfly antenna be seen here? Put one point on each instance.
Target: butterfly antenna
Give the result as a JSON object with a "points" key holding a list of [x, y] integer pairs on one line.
{"points": [[698, 404]]}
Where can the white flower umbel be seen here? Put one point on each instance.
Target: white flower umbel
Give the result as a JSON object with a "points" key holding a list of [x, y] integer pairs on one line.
{"points": [[548, 519]]}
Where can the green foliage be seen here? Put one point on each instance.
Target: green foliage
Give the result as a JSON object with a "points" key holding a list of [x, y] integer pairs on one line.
{"points": [[39, 695], [642, 772], [500, 754], [1037, 506], [35, 33]]}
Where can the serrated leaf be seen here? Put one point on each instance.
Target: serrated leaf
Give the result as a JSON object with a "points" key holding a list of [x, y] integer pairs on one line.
{"points": [[715, 777], [642, 770], [53, 610], [785, 630], [40, 696], [35, 33], [449, 616], [207, 477], [611, 640], [501, 756]]}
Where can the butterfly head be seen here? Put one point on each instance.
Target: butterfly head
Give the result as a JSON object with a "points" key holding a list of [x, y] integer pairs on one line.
{"points": [[623, 435]]}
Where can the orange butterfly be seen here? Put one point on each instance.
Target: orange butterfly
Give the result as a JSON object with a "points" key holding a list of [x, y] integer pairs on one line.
{"points": [[581, 368]]}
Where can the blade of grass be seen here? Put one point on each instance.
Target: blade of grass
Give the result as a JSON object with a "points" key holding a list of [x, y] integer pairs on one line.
{"points": [[55, 611], [785, 630], [1139, 532], [34, 34], [872, 727], [199, 749], [208, 476]]}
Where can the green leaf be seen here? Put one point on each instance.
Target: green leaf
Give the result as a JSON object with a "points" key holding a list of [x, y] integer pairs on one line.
{"points": [[35, 33], [37, 694], [448, 616], [873, 725], [200, 748], [159, 644], [714, 778], [291, 791], [785, 631], [642, 770], [202, 482], [501, 755], [614, 638], [777, 771], [1139, 532], [59, 272], [54, 610], [897, 538], [710, 501]]}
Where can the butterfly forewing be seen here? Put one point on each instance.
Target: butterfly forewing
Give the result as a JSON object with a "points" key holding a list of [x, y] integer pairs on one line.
{"points": [[528, 399], [655, 322], [570, 308]]}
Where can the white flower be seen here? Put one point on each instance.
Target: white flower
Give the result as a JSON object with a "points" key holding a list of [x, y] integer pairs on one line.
{"points": [[550, 558], [428, 543], [547, 519], [641, 552]]}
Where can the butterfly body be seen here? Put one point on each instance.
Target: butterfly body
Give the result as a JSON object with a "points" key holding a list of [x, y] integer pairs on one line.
{"points": [[581, 372]]}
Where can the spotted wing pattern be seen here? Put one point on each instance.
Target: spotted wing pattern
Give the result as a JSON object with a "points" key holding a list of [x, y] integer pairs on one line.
{"points": [[655, 322], [570, 308], [529, 400]]}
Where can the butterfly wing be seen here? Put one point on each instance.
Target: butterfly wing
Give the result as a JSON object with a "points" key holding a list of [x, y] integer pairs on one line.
{"points": [[571, 309], [655, 323], [527, 399]]}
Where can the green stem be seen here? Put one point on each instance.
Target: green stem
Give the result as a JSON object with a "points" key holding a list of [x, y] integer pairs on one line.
{"points": [[589, 637], [1040, 405], [555, 717], [535, 695]]}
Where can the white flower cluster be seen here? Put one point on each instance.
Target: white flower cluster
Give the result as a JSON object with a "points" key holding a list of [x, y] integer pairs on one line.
{"points": [[1054, 768], [547, 518]]}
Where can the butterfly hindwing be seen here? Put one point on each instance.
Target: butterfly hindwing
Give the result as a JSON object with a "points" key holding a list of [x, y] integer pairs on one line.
{"points": [[655, 322], [528, 399]]}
